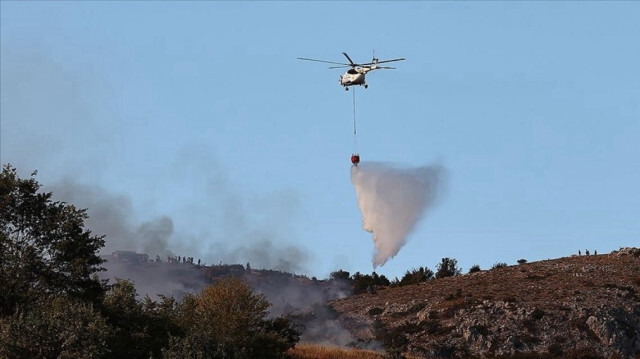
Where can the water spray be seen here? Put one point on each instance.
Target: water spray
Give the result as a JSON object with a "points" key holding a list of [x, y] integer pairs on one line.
{"points": [[393, 200]]}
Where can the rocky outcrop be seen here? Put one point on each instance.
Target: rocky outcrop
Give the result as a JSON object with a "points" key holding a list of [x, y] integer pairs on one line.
{"points": [[582, 306]]}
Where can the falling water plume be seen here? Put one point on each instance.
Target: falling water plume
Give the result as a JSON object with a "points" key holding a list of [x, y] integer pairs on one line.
{"points": [[392, 201]]}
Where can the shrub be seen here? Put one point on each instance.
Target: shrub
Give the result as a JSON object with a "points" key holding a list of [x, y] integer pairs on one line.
{"points": [[363, 283], [448, 267], [431, 326], [499, 265], [410, 328], [340, 275], [375, 311], [474, 268], [452, 296], [482, 329], [537, 314], [416, 276], [393, 340], [417, 307], [522, 261]]}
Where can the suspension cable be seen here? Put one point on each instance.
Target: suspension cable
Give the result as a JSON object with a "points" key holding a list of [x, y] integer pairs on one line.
{"points": [[355, 132]]}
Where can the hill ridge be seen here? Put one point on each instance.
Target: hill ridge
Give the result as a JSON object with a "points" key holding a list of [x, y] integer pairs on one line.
{"points": [[562, 307]]}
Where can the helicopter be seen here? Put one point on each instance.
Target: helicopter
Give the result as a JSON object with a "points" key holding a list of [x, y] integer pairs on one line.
{"points": [[356, 74]]}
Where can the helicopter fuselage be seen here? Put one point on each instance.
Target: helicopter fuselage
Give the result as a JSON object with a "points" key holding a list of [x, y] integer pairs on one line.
{"points": [[354, 76]]}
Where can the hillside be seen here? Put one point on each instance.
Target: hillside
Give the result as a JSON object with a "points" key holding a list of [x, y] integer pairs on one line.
{"points": [[579, 306]]}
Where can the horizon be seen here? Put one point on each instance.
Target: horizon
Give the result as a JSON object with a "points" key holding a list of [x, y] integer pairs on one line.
{"points": [[193, 127]]}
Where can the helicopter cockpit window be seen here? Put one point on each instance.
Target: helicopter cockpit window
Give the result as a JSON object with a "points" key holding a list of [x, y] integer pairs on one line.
{"points": [[352, 71]]}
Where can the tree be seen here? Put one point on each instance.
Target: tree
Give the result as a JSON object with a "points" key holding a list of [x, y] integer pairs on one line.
{"points": [[474, 268], [416, 276], [229, 320], [448, 267], [54, 327], [339, 275], [365, 282], [141, 328], [44, 247]]}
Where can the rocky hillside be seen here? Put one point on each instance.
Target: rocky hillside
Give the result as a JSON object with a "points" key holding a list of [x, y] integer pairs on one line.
{"points": [[579, 306]]}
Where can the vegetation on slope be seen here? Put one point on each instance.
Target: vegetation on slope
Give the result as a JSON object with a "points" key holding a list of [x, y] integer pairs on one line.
{"points": [[52, 304]]}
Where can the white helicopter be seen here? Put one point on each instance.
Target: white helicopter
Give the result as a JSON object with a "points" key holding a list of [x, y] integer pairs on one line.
{"points": [[355, 75]]}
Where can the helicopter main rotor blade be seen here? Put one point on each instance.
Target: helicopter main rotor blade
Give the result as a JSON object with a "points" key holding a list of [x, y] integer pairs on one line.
{"points": [[385, 68], [382, 62], [348, 58], [340, 67], [328, 62], [400, 59]]}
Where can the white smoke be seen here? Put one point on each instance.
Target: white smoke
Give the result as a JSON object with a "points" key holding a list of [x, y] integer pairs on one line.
{"points": [[392, 201]]}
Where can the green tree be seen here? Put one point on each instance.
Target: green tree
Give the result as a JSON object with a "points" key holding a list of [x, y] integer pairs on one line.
{"points": [[339, 275], [228, 320], [141, 328], [362, 283], [54, 327], [44, 247], [124, 314], [415, 276], [448, 267]]}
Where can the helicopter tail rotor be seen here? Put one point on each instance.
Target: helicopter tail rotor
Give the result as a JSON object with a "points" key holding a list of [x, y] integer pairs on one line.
{"points": [[374, 60]]}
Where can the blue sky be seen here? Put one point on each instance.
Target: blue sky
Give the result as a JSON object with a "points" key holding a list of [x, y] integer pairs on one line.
{"points": [[201, 112]]}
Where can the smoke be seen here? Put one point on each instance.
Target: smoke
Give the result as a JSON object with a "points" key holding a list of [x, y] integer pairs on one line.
{"points": [[113, 216], [221, 226], [305, 302], [392, 201]]}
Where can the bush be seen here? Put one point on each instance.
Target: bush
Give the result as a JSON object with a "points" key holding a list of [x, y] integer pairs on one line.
{"points": [[448, 267], [474, 268], [522, 261], [363, 283], [416, 276], [340, 275], [499, 265], [375, 311], [537, 314], [393, 340]]}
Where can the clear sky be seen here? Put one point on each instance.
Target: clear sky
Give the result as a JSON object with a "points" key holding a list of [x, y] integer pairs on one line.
{"points": [[200, 112]]}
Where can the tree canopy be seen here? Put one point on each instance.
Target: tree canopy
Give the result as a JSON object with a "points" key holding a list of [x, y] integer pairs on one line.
{"points": [[448, 267], [229, 320], [44, 247]]}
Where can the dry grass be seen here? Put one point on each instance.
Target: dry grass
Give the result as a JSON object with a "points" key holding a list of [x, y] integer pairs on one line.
{"points": [[310, 351]]}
